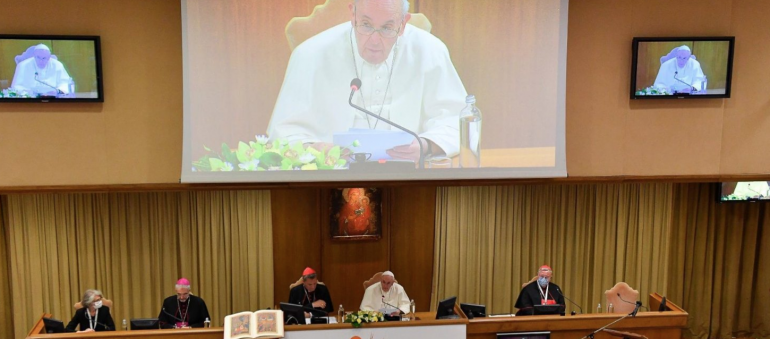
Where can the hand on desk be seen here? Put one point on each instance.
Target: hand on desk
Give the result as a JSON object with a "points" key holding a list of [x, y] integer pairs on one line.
{"points": [[412, 151], [86, 330]]}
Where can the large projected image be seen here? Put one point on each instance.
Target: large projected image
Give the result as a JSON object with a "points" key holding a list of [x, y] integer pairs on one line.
{"points": [[345, 90]]}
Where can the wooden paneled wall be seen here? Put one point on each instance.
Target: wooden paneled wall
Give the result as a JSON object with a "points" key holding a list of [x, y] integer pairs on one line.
{"points": [[139, 126], [301, 238]]}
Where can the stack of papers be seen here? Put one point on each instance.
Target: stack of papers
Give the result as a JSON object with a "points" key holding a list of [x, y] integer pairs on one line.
{"points": [[388, 310]]}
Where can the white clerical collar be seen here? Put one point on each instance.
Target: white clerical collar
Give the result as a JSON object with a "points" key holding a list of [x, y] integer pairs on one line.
{"points": [[360, 62]]}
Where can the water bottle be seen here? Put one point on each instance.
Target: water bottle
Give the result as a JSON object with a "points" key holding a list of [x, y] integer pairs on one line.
{"points": [[341, 314], [470, 134], [207, 323], [610, 308], [125, 325], [413, 309], [599, 308], [71, 87]]}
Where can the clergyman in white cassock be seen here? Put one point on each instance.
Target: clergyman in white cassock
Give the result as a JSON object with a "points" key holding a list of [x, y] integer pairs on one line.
{"points": [[681, 74], [386, 294], [414, 84]]}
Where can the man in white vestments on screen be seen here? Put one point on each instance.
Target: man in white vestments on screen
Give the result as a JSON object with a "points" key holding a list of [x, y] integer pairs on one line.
{"points": [[406, 73], [386, 295], [40, 74], [681, 74], [752, 190]]}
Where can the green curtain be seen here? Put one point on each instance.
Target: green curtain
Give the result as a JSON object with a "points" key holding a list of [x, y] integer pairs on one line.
{"points": [[719, 267], [6, 312], [673, 239], [133, 247]]}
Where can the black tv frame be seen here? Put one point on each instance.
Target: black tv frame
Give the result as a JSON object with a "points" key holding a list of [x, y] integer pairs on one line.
{"points": [[144, 324], [718, 194], [475, 310], [728, 84], [445, 309], [97, 55], [54, 325], [293, 311]]}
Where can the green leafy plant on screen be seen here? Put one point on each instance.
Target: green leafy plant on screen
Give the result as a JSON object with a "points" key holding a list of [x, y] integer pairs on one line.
{"points": [[652, 90], [263, 155]]}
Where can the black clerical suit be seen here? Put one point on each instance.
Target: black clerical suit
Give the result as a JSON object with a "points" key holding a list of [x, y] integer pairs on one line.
{"points": [[531, 295], [298, 295], [194, 316], [102, 321]]}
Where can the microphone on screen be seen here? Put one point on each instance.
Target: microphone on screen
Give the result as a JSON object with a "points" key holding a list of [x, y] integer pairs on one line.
{"points": [[46, 84], [355, 86]]}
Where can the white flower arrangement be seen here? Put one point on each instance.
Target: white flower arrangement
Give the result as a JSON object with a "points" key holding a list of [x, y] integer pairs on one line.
{"points": [[13, 93], [652, 90], [358, 318]]}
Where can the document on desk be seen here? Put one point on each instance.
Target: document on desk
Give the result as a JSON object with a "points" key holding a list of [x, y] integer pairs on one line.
{"points": [[501, 315], [388, 310], [372, 141]]}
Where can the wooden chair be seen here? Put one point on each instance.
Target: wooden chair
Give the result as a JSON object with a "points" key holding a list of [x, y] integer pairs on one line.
{"points": [[377, 277], [299, 282], [30, 52], [330, 14], [626, 292], [106, 302], [529, 282]]}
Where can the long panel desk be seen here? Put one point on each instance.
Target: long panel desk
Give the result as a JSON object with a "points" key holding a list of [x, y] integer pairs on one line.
{"points": [[653, 325], [424, 327]]}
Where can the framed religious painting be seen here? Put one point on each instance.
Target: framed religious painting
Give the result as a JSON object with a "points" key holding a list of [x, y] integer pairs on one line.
{"points": [[356, 213]]}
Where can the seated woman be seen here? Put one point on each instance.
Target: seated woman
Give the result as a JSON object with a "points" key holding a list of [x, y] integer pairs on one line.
{"points": [[93, 316]]}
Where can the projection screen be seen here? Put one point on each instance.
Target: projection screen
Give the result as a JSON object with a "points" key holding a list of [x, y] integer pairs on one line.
{"points": [[454, 89]]}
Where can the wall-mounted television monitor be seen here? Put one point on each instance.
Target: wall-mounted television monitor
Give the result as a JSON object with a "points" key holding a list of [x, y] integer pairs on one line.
{"points": [[736, 191], [50, 68], [682, 68]]}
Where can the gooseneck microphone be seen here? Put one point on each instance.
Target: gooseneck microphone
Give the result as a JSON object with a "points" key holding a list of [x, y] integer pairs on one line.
{"points": [[638, 304], [106, 327], [399, 310], [47, 84], [355, 85], [171, 315], [570, 300], [680, 80]]}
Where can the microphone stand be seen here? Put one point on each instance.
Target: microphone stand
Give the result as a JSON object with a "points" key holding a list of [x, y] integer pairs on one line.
{"points": [[400, 312], [632, 314], [173, 316], [692, 88], [350, 101], [58, 91], [570, 300]]}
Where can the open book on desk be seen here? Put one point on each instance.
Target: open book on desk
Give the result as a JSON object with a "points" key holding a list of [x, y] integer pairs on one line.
{"points": [[259, 324]]}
